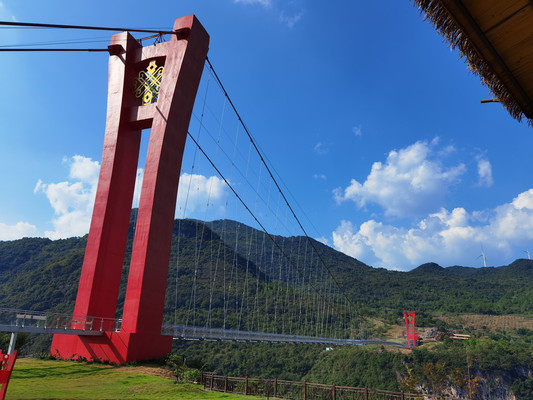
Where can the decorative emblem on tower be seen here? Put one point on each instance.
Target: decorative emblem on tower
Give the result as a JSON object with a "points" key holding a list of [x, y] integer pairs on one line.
{"points": [[146, 85]]}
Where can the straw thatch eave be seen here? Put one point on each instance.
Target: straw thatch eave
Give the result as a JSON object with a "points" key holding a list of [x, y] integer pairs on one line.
{"points": [[466, 26]]}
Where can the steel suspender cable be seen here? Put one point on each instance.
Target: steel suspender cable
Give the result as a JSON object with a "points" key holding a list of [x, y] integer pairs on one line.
{"points": [[278, 187], [260, 224]]}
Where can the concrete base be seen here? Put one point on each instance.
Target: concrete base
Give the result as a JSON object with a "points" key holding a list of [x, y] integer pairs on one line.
{"points": [[116, 347]]}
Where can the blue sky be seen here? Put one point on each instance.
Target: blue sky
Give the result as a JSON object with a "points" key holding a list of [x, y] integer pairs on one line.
{"points": [[373, 124]]}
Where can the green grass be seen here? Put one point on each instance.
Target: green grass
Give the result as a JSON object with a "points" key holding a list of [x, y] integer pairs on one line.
{"points": [[49, 379]]}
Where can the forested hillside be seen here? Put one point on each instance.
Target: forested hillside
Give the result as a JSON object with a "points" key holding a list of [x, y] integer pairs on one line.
{"points": [[42, 275], [429, 288]]}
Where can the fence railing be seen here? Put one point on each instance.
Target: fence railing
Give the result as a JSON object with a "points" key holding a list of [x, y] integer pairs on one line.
{"points": [[35, 321], [204, 333], [282, 389]]}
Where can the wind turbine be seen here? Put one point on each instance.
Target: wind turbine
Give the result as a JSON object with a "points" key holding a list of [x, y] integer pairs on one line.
{"points": [[484, 258], [528, 256]]}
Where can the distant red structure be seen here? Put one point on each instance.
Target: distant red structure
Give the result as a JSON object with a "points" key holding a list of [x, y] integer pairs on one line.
{"points": [[152, 87], [7, 362], [412, 337]]}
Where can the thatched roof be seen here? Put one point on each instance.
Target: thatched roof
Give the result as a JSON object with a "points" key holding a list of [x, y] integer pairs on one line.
{"points": [[496, 38]]}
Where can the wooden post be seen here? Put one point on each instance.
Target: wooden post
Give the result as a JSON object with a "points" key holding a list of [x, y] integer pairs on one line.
{"points": [[305, 390], [366, 393], [333, 392], [275, 387], [211, 382], [402, 396], [246, 386], [225, 384]]}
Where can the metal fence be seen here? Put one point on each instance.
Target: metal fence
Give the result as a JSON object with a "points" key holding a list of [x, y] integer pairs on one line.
{"points": [[42, 322], [204, 333], [282, 389]]}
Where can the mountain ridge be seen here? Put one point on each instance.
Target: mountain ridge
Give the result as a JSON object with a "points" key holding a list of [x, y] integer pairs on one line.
{"points": [[428, 288]]}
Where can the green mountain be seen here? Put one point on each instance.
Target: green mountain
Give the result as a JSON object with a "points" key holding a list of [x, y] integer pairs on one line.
{"points": [[226, 274], [222, 256], [429, 289]]}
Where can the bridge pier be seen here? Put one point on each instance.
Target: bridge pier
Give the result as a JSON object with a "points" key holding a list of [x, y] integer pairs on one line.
{"points": [[117, 347], [151, 87]]}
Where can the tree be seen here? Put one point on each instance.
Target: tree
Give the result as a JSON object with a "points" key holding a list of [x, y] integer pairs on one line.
{"points": [[436, 377]]}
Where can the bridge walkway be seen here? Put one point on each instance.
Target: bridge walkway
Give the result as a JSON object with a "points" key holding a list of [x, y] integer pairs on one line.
{"points": [[15, 321]]}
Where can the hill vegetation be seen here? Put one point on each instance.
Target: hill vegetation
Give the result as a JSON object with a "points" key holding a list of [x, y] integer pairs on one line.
{"points": [[42, 275]]}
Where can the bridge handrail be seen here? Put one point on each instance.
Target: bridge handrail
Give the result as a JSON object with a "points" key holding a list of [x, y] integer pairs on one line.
{"points": [[204, 333], [50, 320]]}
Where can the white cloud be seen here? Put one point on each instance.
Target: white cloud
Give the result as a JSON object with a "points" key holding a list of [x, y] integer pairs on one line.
{"points": [[84, 169], [323, 240], [321, 177], [290, 20], [72, 201], [320, 148], [5, 13], [197, 193], [513, 222], [357, 130], [484, 170], [445, 237], [447, 151], [17, 231], [409, 183], [264, 3], [285, 17]]}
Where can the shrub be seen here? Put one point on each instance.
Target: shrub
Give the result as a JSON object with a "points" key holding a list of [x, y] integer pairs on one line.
{"points": [[191, 375]]}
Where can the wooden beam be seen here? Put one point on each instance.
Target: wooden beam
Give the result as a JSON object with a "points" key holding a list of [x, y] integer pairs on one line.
{"points": [[518, 90]]}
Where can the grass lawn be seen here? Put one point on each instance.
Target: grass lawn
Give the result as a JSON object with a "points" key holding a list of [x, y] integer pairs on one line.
{"points": [[49, 379]]}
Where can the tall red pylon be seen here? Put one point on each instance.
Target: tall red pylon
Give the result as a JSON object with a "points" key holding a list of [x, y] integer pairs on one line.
{"points": [[148, 87], [412, 337]]}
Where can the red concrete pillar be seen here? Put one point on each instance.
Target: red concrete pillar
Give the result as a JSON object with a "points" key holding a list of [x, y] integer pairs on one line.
{"points": [[412, 337], [7, 362], [106, 245], [140, 337]]}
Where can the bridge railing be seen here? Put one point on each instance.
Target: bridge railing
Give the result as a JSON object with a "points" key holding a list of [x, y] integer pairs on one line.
{"points": [[203, 333], [25, 320], [282, 389]]}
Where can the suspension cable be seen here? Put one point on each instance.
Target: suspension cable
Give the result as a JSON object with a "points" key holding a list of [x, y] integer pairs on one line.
{"points": [[261, 225], [280, 191], [43, 49], [180, 34], [84, 27]]}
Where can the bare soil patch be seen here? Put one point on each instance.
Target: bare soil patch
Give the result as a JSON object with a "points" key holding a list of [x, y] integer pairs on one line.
{"points": [[492, 323], [155, 371]]}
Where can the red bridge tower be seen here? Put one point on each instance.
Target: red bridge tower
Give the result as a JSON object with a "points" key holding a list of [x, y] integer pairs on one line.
{"points": [[148, 87], [412, 337]]}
